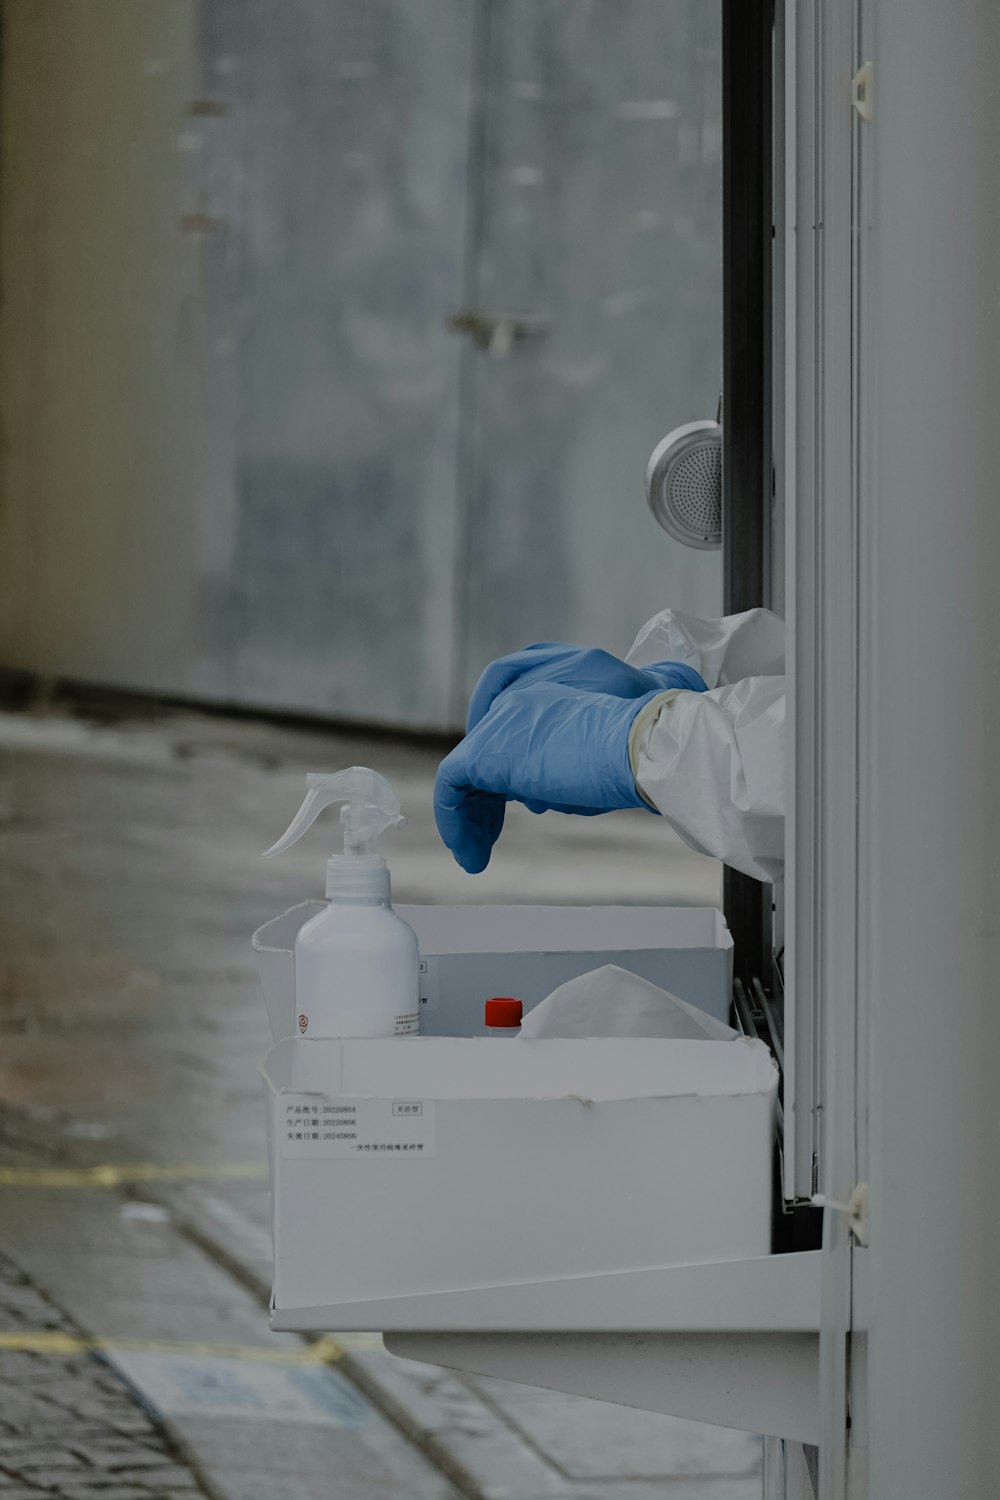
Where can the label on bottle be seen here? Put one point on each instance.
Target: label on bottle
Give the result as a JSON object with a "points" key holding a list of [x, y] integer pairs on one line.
{"points": [[314, 1125], [430, 982], [407, 1023]]}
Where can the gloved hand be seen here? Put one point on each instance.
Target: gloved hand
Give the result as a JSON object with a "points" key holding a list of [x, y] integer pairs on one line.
{"points": [[593, 670], [545, 744]]}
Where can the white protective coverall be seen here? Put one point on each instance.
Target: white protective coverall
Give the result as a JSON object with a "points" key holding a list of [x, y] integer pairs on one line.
{"points": [[714, 763]]}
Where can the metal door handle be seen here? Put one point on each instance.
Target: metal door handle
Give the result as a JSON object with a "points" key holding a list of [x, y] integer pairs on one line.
{"points": [[495, 333]]}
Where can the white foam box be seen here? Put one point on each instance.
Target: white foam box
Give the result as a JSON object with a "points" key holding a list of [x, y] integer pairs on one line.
{"points": [[476, 1183], [469, 953], [463, 1182]]}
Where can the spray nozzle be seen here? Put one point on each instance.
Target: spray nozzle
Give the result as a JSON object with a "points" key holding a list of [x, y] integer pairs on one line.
{"points": [[371, 805]]}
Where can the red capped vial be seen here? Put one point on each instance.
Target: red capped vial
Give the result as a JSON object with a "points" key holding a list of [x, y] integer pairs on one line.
{"points": [[503, 1016]]}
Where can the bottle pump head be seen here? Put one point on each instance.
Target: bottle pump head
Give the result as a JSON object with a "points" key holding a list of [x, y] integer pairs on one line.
{"points": [[371, 805]]}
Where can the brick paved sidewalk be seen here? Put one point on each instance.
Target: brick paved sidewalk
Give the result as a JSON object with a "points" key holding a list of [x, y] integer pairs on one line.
{"points": [[69, 1425]]}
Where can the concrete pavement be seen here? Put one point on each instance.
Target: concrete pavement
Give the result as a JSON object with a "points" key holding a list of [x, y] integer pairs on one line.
{"points": [[132, 1029]]}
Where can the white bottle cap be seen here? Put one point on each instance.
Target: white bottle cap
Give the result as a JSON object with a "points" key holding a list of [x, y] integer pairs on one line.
{"points": [[357, 877]]}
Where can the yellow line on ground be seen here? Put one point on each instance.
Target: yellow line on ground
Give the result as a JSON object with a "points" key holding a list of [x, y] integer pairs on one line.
{"points": [[112, 1174], [324, 1351]]}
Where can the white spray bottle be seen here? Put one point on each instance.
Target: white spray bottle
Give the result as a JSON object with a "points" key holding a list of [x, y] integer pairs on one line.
{"points": [[356, 962]]}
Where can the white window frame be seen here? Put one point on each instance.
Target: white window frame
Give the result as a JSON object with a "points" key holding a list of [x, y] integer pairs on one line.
{"points": [[815, 265]]}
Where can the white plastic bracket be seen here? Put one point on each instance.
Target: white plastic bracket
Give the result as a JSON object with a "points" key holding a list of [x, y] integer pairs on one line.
{"points": [[863, 92], [856, 1209]]}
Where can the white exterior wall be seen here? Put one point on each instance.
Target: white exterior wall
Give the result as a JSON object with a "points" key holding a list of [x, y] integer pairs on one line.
{"points": [[929, 551], [245, 458], [100, 388]]}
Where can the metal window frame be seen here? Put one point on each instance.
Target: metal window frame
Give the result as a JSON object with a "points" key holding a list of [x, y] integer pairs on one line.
{"points": [[790, 419], [822, 595], [747, 131]]}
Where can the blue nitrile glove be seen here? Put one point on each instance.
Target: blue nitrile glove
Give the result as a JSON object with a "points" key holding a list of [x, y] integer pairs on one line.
{"points": [[577, 666], [543, 744]]}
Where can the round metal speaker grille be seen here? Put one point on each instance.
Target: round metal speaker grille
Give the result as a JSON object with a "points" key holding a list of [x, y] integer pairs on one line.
{"points": [[684, 484]]}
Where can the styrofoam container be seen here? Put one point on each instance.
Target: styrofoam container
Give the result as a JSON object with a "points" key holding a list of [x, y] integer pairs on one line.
{"points": [[407, 1168], [469, 953], [446, 1182]]}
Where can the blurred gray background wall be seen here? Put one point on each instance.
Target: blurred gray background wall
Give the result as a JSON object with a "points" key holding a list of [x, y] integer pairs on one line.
{"points": [[244, 456]]}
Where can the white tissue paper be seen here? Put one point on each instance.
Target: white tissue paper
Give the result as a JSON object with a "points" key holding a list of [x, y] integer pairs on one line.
{"points": [[612, 1002]]}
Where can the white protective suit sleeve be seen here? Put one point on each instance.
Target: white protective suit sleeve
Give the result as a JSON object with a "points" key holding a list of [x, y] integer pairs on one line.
{"points": [[748, 645], [714, 763]]}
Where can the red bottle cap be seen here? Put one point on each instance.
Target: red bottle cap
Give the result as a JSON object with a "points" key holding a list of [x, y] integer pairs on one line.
{"points": [[503, 1011]]}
